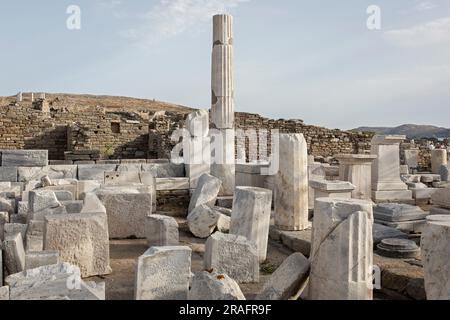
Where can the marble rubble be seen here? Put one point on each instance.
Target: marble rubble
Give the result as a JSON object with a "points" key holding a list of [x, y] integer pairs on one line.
{"points": [[60, 281], [214, 286], [287, 280]]}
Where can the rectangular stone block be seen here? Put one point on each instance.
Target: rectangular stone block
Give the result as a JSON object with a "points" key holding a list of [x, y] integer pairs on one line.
{"points": [[127, 209], [8, 174], [163, 273], [94, 172], [441, 198], [11, 229], [81, 239], [4, 293], [164, 170], [14, 253], [122, 178], [73, 206], [161, 231], [26, 174], [40, 259], [167, 184], [233, 255], [51, 283], [24, 158], [251, 216]]}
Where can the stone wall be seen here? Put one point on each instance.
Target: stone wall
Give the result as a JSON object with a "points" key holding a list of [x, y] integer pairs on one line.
{"points": [[57, 129], [128, 135], [321, 141]]}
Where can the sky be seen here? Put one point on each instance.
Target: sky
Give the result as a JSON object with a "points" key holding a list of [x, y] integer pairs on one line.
{"points": [[294, 59]]}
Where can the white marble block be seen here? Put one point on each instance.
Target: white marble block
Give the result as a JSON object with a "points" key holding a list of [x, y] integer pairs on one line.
{"points": [[332, 189], [232, 255], [287, 280], [14, 253], [161, 231], [60, 281], [127, 209], [438, 159], [251, 216], [163, 273], [435, 245], [386, 182], [441, 198], [357, 169], [342, 250], [291, 186], [81, 239]]}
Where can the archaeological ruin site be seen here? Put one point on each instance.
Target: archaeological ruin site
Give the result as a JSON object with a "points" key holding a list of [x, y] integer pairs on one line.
{"points": [[107, 198]]}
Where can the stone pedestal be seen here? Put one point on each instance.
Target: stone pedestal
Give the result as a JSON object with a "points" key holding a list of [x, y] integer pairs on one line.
{"points": [[357, 169], [435, 257], [386, 182], [291, 186], [342, 246], [332, 189], [438, 159]]}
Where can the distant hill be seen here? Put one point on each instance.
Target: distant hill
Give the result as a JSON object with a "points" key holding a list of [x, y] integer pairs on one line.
{"points": [[412, 131]]}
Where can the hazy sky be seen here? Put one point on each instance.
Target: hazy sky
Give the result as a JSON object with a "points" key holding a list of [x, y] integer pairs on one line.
{"points": [[312, 60]]}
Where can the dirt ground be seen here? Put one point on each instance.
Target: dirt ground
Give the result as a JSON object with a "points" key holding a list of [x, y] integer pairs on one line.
{"points": [[124, 255]]}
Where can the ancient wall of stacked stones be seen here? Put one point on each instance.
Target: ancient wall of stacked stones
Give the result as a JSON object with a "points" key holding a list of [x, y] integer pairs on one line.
{"points": [[58, 129], [128, 135], [321, 141]]}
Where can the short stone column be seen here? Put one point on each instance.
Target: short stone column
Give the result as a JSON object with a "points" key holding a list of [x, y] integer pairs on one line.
{"points": [[332, 189], [291, 184], [251, 216], [386, 182], [342, 250], [438, 159], [435, 257], [357, 169]]}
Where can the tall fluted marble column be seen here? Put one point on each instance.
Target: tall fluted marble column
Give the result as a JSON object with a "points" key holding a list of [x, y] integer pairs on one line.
{"points": [[222, 104]]}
